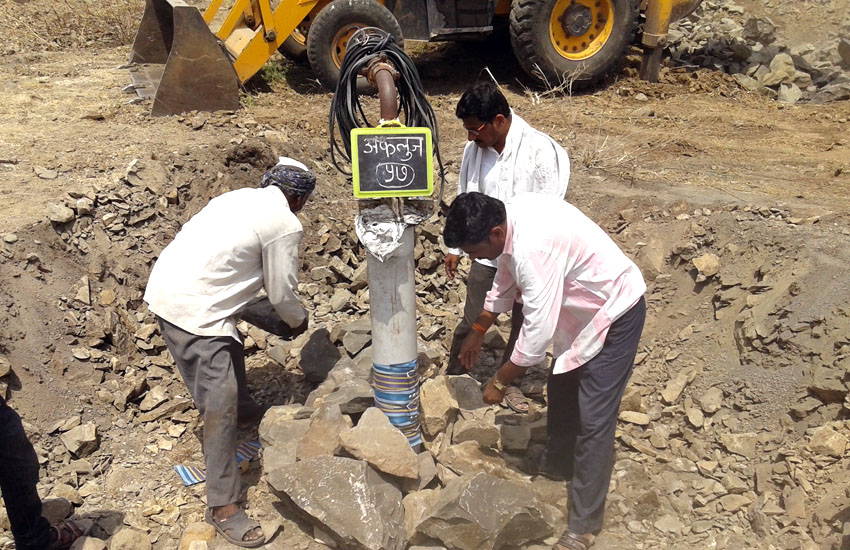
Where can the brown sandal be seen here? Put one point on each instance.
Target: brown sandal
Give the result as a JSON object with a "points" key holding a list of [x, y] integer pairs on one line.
{"points": [[66, 533], [573, 541], [515, 400]]}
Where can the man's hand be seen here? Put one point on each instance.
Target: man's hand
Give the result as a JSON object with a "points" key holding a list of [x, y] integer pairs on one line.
{"points": [[470, 348], [451, 265], [491, 394], [301, 329]]}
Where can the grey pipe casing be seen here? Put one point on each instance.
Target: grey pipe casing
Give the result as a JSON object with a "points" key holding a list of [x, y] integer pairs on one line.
{"points": [[392, 300]]}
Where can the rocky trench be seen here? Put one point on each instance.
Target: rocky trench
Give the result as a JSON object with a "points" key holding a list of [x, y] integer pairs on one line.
{"points": [[733, 429]]}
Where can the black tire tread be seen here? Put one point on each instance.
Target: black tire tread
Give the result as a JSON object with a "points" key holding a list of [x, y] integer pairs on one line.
{"points": [[329, 20], [524, 40], [293, 51]]}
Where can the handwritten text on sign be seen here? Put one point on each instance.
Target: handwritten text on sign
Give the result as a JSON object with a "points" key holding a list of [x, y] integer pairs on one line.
{"points": [[392, 162]]}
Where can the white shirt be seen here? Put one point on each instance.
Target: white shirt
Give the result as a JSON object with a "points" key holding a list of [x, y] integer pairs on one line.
{"points": [[531, 161], [240, 242], [574, 282]]}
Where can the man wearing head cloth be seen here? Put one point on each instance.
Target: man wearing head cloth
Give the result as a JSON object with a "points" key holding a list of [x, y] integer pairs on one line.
{"points": [[204, 281]]}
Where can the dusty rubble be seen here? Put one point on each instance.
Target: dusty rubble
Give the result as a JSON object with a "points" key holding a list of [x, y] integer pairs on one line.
{"points": [[698, 459], [723, 35], [733, 432]]}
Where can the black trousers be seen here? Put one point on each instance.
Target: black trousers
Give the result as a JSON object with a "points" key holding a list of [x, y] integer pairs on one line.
{"points": [[18, 480], [583, 408]]}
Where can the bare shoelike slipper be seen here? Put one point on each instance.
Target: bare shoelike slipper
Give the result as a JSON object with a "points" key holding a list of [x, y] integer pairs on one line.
{"points": [[515, 400]]}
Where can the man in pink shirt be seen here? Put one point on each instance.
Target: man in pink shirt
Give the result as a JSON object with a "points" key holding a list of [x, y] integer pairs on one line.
{"points": [[581, 297]]}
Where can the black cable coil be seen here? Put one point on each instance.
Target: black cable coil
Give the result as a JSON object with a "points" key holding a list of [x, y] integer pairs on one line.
{"points": [[347, 112]]}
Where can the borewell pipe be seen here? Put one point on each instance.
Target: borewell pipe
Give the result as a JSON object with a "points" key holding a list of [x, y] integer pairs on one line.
{"points": [[392, 298]]}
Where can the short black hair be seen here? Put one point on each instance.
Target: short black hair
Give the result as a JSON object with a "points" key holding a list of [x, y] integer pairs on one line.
{"points": [[471, 217], [483, 101]]}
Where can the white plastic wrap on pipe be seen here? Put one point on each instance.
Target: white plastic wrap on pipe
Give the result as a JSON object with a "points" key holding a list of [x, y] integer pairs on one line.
{"points": [[380, 231]]}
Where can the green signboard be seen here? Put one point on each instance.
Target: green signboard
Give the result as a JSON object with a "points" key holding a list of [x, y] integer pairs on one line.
{"points": [[392, 162]]}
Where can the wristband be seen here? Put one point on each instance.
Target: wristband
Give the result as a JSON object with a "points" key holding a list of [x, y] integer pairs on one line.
{"points": [[478, 328], [498, 385]]}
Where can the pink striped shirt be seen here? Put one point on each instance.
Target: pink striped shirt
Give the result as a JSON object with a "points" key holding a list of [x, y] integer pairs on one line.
{"points": [[573, 280]]}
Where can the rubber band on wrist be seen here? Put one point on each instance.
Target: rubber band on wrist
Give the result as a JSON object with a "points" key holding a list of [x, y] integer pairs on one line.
{"points": [[478, 328]]}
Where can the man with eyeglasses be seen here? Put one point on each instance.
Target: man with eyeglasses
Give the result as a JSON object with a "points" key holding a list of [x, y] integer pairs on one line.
{"points": [[505, 156]]}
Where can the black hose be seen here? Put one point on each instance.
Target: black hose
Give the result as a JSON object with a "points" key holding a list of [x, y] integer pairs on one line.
{"points": [[347, 112]]}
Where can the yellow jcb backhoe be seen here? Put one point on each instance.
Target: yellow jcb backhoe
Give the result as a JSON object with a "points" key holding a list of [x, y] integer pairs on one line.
{"points": [[183, 65]]}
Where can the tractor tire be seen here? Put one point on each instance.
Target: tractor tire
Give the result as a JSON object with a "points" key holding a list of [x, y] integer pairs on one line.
{"points": [[331, 29], [294, 48], [572, 42]]}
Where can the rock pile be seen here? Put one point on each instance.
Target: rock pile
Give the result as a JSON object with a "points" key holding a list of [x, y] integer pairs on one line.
{"points": [[720, 35], [363, 487], [702, 465]]}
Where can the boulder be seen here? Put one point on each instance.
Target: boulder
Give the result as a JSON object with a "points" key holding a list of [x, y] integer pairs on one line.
{"points": [[82, 440], [322, 438], [354, 342], [346, 385], [789, 93], [437, 405], [466, 392], [827, 442], [782, 71], [147, 174], [346, 498], [382, 445], [710, 400], [416, 507], [481, 512], [59, 213], [195, 532], [760, 30], [743, 444], [747, 82], [353, 397], [318, 356], [340, 299], [56, 509], [155, 397], [828, 384], [477, 425], [280, 433], [515, 438], [650, 259], [63, 491], [468, 458], [708, 265], [674, 388], [129, 539]]}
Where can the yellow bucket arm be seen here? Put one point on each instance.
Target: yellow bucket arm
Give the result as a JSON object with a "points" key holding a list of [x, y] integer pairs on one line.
{"points": [[252, 31]]}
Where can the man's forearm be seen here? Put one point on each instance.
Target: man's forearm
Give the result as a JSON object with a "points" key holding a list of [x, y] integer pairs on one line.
{"points": [[509, 372], [485, 321]]}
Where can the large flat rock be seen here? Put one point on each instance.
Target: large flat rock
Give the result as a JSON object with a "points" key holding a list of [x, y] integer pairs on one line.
{"points": [[346, 498]]}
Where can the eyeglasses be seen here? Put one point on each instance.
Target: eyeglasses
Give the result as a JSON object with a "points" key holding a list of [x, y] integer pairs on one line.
{"points": [[475, 132]]}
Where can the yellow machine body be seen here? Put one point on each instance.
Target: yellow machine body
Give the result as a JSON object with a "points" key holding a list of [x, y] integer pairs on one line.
{"points": [[183, 65]]}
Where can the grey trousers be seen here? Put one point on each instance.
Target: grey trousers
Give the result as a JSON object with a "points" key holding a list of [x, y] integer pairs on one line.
{"points": [[583, 407], [479, 282], [213, 368]]}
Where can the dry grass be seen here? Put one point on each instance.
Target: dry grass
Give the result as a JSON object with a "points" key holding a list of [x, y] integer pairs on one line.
{"points": [[36, 25]]}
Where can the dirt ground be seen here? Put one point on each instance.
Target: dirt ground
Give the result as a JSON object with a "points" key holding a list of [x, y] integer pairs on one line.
{"points": [[692, 160]]}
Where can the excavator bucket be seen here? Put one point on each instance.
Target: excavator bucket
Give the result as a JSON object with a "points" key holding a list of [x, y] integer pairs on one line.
{"points": [[179, 63]]}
